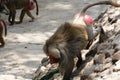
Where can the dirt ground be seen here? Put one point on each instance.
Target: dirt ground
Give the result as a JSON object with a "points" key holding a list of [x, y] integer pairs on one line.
{"points": [[23, 50]]}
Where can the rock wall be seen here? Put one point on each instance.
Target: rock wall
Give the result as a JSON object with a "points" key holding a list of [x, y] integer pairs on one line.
{"points": [[102, 62]]}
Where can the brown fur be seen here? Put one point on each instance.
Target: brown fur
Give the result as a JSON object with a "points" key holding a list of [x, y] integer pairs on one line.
{"points": [[69, 39], [67, 42]]}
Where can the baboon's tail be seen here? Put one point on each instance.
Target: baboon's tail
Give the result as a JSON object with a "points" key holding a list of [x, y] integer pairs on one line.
{"points": [[111, 2], [37, 9]]}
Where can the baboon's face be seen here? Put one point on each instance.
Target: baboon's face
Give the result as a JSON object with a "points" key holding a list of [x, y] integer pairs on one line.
{"points": [[52, 52]]}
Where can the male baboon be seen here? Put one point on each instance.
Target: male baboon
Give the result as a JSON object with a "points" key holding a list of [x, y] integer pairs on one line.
{"points": [[70, 38]]}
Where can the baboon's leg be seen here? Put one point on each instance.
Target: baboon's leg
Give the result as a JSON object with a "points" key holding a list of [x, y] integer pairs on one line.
{"points": [[78, 65], [11, 17], [22, 15], [68, 70], [79, 62], [30, 15]]}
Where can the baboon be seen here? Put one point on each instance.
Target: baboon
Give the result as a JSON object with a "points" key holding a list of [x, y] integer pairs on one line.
{"points": [[25, 5], [70, 38], [3, 28]]}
